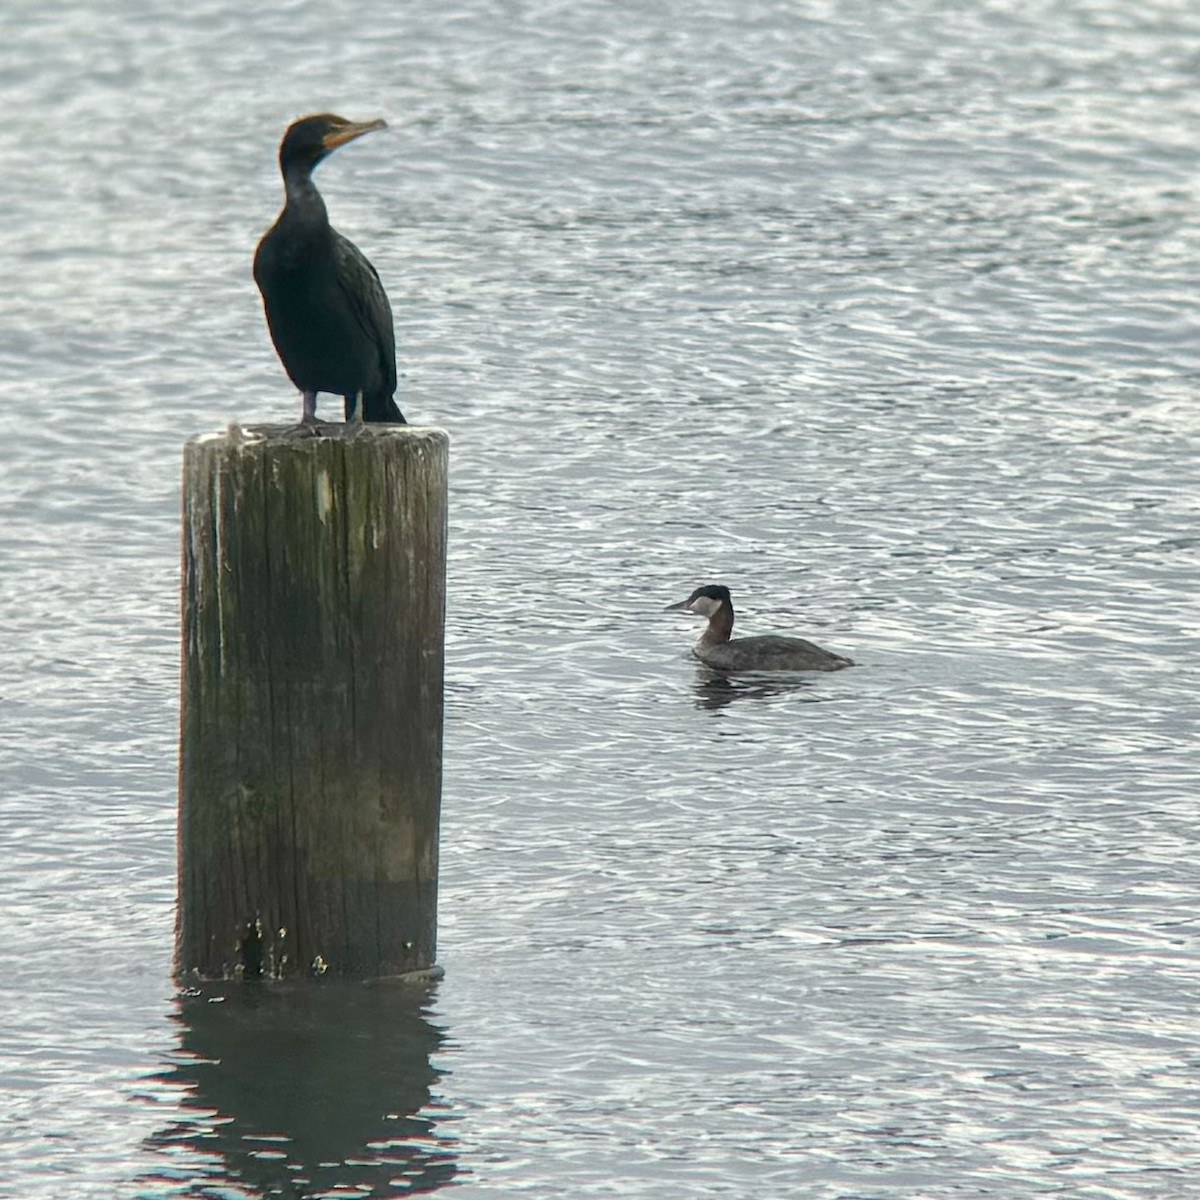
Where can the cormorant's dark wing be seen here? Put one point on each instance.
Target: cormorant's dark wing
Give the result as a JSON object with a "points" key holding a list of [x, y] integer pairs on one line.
{"points": [[368, 301]]}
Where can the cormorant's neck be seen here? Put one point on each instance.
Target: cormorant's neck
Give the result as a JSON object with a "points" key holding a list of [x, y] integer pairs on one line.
{"points": [[720, 626], [303, 199]]}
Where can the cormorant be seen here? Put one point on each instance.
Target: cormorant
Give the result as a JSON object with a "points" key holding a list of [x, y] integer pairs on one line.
{"points": [[769, 652], [327, 311]]}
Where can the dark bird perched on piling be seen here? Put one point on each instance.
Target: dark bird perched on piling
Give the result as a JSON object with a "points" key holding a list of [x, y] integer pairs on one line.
{"points": [[327, 311]]}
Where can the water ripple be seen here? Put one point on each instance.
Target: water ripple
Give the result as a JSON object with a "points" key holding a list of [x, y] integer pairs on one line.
{"points": [[889, 324]]}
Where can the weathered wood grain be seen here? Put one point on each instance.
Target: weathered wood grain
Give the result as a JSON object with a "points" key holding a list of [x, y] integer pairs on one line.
{"points": [[311, 706]]}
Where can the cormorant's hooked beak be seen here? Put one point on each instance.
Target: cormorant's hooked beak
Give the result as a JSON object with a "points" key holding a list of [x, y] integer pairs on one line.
{"points": [[349, 131]]}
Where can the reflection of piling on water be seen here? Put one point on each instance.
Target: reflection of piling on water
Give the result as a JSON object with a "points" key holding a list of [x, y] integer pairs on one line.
{"points": [[311, 708], [303, 1091]]}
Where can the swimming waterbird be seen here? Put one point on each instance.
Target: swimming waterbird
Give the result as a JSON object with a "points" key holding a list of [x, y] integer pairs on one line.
{"points": [[767, 652]]}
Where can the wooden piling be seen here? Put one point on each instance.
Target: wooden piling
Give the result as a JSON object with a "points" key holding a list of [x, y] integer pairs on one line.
{"points": [[311, 706]]}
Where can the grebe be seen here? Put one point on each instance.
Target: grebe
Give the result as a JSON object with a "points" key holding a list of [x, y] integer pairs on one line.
{"points": [[327, 311], [768, 652]]}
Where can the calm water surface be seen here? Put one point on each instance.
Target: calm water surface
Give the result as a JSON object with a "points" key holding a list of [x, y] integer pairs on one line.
{"points": [[884, 315]]}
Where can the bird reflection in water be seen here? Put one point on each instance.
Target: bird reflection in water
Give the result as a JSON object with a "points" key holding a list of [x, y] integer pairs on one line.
{"points": [[304, 1091], [716, 690]]}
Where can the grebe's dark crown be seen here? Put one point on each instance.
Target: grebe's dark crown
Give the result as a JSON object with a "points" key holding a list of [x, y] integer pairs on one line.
{"points": [[712, 591]]}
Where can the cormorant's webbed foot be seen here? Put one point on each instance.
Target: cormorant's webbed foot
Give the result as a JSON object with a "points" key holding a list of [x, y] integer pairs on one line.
{"points": [[307, 426], [305, 429]]}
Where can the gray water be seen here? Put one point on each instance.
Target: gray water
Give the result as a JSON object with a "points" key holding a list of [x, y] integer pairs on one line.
{"points": [[883, 315]]}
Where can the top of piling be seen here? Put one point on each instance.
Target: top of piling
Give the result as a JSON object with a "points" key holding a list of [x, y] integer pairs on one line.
{"points": [[342, 431]]}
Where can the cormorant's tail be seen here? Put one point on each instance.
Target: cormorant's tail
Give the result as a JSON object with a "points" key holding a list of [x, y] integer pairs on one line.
{"points": [[379, 407]]}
